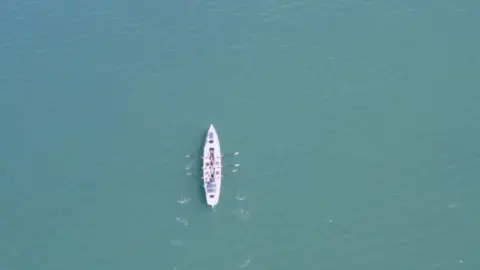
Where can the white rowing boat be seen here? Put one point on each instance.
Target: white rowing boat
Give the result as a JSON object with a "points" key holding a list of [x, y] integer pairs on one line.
{"points": [[212, 167]]}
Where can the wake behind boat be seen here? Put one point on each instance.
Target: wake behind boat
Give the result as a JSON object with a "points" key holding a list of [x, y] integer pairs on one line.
{"points": [[212, 167]]}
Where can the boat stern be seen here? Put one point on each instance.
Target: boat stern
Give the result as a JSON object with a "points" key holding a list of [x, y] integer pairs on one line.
{"points": [[212, 199], [212, 193]]}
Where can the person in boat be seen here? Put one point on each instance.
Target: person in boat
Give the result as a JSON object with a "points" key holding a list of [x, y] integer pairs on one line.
{"points": [[212, 160], [212, 179]]}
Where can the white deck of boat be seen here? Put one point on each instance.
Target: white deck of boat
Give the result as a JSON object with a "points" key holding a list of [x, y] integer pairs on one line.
{"points": [[211, 167]]}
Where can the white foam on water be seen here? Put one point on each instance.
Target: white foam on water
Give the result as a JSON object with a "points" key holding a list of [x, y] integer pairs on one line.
{"points": [[183, 200], [176, 242], [453, 205], [243, 214], [240, 198], [244, 264], [182, 221]]}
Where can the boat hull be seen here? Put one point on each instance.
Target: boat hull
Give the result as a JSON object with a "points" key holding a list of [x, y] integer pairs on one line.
{"points": [[212, 167]]}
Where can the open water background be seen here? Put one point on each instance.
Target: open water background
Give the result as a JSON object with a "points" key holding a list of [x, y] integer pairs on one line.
{"points": [[357, 124]]}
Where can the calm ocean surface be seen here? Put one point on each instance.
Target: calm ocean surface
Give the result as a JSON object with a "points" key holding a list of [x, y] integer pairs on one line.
{"points": [[357, 123]]}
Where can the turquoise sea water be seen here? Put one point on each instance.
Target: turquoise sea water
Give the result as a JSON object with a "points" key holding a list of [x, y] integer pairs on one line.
{"points": [[357, 124]]}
